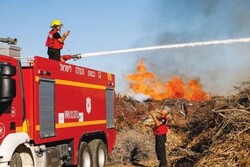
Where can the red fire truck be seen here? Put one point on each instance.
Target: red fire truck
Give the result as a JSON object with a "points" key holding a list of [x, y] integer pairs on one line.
{"points": [[55, 114]]}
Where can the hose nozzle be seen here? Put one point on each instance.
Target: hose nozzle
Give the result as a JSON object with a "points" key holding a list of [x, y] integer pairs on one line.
{"points": [[76, 57]]}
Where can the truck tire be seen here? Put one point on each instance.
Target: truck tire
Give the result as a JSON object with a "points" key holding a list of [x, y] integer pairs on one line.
{"points": [[85, 157], [16, 160], [99, 152]]}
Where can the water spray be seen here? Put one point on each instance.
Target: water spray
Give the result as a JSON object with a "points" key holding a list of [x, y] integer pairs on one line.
{"points": [[171, 46]]}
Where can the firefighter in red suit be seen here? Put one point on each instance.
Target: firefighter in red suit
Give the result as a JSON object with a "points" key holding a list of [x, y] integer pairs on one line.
{"points": [[160, 131], [55, 41]]}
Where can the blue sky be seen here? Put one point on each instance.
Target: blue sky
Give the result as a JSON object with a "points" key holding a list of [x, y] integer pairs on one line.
{"points": [[108, 25]]}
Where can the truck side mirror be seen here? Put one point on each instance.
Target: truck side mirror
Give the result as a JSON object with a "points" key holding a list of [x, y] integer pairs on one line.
{"points": [[7, 84]]}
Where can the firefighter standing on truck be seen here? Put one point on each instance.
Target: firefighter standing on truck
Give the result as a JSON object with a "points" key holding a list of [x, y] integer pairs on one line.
{"points": [[160, 131], [55, 41]]}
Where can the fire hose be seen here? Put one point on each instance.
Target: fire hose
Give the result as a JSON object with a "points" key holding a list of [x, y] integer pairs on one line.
{"points": [[69, 57]]}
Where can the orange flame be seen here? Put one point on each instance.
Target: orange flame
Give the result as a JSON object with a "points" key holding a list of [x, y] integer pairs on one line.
{"points": [[149, 84]]}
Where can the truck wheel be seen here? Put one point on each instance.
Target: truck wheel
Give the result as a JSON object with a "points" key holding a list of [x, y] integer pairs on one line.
{"points": [[99, 152], [16, 160], [85, 157]]}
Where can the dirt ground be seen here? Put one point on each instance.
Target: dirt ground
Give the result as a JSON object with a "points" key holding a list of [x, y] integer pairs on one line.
{"points": [[214, 132]]}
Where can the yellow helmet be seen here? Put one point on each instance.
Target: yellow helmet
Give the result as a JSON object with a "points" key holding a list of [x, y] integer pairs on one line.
{"points": [[55, 23]]}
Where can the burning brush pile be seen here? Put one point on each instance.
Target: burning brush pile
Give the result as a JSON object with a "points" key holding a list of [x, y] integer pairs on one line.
{"points": [[208, 131]]}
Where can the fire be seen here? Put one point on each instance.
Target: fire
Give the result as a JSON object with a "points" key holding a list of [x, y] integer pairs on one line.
{"points": [[146, 82]]}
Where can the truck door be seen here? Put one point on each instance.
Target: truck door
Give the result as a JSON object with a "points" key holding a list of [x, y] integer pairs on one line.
{"points": [[47, 107]]}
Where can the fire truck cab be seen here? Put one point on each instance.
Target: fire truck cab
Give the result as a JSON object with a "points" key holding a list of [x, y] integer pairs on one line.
{"points": [[55, 114]]}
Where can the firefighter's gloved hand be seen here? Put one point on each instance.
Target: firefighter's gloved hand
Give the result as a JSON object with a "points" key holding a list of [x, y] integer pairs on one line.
{"points": [[166, 107]]}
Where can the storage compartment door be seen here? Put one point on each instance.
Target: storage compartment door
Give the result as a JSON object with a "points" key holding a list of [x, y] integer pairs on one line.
{"points": [[110, 109], [47, 108]]}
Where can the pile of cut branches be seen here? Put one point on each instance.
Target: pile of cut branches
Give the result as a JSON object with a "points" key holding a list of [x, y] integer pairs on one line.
{"points": [[215, 132]]}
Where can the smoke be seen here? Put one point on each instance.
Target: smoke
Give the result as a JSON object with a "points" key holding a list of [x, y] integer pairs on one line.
{"points": [[198, 20], [219, 67]]}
